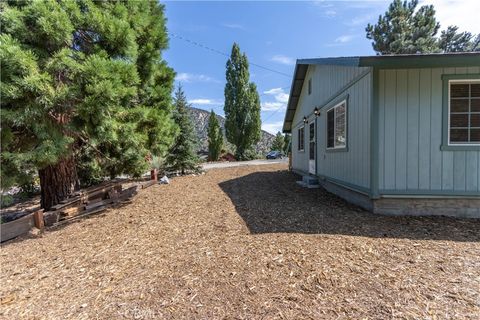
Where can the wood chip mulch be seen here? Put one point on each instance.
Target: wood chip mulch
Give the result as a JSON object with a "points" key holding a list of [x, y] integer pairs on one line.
{"points": [[244, 243]]}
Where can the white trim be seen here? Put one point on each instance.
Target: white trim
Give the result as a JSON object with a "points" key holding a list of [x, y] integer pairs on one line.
{"points": [[460, 81], [335, 124]]}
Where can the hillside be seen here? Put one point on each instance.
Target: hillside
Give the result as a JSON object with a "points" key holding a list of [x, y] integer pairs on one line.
{"points": [[200, 120]]}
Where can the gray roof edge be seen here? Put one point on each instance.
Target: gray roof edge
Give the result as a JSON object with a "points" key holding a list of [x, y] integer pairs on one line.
{"points": [[454, 59]]}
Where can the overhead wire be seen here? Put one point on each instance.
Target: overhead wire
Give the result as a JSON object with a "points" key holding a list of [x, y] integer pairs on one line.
{"points": [[200, 45]]}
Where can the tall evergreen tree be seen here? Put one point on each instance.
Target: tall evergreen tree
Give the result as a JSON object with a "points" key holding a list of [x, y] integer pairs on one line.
{"points": [[181, 156], [242, 105], [278, 143], [215, 137], [453, 41], [287, 147], [82, 78], [405, 30]]}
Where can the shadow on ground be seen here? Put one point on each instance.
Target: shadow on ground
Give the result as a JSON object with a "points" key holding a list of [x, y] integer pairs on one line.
{"points": [[271, 202]]}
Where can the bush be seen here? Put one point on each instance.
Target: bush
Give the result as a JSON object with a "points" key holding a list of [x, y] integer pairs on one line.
{"points": [[6, 200]]}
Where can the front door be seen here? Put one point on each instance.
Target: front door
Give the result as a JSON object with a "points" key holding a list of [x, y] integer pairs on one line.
{"points": [[311, 148]]}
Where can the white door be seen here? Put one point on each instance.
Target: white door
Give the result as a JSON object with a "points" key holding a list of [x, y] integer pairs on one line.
{"points": [[311, 148]]}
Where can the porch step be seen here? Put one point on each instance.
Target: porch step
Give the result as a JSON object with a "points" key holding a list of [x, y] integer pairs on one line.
{"points": [[309, 182]]}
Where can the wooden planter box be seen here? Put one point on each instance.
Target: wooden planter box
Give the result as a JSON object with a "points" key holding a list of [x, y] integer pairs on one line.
{"points": [[16, 228]]}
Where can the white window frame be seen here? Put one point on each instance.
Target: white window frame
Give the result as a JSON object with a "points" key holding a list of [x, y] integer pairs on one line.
{"points": [[298, 133], [335, 124], [459, 81]]}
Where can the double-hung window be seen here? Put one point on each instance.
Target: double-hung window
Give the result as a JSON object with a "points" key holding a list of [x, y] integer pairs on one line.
{"points": [[337, 126], [464, 112], [301, 139]]}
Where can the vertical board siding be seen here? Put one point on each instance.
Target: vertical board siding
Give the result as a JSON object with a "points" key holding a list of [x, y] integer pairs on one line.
{"points": [[410, 128], [352, 166], [424, 122]]}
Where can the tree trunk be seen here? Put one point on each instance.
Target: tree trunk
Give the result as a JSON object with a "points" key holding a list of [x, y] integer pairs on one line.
{"points": [[57, 182]]}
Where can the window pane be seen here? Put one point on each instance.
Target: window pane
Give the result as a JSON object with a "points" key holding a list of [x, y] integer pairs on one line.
{"points": [[459, 90], [312, 131], [459, 105], [458, 120], [475, 105], [475, 135], [459, 135], [340, 132], [303, 138], [475, 90], [330, 128], [312, 151], [300, 139], [475, 120]]}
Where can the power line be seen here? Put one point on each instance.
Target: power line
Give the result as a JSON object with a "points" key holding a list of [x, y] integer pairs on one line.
{"points": [[198, 44]]}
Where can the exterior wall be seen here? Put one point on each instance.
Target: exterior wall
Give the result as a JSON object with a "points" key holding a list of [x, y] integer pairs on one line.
{"points": [[350, 167], [411, 161]]}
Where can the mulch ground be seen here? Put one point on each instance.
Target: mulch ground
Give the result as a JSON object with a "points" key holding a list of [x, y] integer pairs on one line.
{"points": [[244, 243]]}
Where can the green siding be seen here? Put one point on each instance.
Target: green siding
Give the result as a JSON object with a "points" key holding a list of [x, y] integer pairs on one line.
{"points": [[410, 128], [352, 166]]}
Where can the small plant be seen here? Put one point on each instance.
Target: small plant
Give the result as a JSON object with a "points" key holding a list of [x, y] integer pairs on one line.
{"points": [[6, 200]]}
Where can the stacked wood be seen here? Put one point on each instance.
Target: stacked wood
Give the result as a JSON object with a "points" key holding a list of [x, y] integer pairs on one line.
{"points": [[89, 201]]}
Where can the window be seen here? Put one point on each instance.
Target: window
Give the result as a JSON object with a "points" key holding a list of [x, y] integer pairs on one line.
{"points": [[301, 139], [309, 86], [311, 149], [337, 126], [464, 112]]}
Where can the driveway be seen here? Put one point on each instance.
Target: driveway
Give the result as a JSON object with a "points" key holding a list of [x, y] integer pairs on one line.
{"points": [[217, 165]]}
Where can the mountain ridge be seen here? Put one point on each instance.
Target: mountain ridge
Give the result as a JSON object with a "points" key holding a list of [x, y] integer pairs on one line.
{"points": [[200, 118]]}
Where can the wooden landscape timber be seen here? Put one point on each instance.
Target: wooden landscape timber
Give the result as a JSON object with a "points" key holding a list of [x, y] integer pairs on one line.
{"points": [[16, 227], [91, 201], [81, 204]]}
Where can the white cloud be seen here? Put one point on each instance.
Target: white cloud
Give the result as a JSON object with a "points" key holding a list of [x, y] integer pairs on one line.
{"points": [[279, 94], [273, 106], [283, 59], [344, 39], [205, 102], [233, 26], [272, 127], [191, 77], [330, 13], [361, 20], [280, 100], [462, 13]]}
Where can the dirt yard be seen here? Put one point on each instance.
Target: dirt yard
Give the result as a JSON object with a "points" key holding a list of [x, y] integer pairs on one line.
{"points": [[244, 243]]}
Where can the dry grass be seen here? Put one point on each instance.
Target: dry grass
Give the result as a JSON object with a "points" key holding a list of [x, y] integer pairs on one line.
{"points": [[244, 243]]}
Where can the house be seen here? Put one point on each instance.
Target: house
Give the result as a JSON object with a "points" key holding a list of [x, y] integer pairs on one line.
{"points": [[393, 134]]}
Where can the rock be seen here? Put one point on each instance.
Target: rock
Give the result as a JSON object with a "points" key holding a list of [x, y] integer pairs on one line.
{"points": [[164, 180]]}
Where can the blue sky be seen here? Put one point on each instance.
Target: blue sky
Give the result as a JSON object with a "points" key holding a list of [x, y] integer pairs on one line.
{"points": [[274, 34]]}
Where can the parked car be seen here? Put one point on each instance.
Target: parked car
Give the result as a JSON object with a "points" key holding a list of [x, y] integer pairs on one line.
{"points": [[274, 155]]}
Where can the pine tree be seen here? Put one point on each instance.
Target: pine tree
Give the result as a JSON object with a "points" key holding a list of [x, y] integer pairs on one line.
{"points": [[278, 143], [287, 146], [242, 105], [453, 41], [82, 80], [181, 156], [405, 30], [215, 137]]}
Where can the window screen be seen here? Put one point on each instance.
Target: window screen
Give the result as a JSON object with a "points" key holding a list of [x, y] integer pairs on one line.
{"points": [[337, 126], [464, 117]]}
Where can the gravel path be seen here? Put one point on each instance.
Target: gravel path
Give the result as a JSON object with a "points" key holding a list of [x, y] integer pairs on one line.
{"points": [[244, 243]]}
